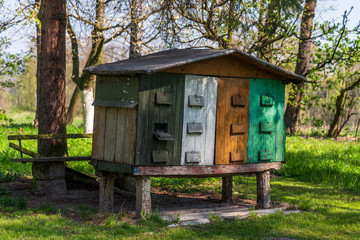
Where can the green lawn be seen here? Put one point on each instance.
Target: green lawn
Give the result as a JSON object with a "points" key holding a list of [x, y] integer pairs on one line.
{"points": [[321, 177], [328, 214]]}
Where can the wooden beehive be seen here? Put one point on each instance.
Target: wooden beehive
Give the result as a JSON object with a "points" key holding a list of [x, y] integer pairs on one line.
{"points": [[190, 107]]}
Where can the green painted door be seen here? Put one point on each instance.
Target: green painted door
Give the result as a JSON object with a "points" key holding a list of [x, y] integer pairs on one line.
{"points": [[266, 139], [160, 111]]}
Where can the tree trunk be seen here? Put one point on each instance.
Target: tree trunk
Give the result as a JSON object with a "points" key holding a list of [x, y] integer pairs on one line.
{"points": [[268, 29], [85, 81], [135, 29], [339, 107], [357, 128], [88, 109], [302, 65], [38, 54], [50, 177], [75, 99]]}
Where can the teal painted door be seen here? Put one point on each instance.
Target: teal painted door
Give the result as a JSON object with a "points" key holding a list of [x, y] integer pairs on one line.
{"points": [[266, 139]]}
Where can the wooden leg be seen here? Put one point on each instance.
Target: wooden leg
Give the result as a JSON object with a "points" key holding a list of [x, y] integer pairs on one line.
{"points": [[227, 184], [143, 198], [106, 191], [263, 189]]}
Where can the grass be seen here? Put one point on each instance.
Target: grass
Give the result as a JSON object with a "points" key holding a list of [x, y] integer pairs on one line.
{"points": [[320, 177], [10, 170], [329, 214], [324, 161]]}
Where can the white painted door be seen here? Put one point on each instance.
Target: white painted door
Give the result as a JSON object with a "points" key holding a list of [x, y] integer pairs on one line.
{"points": [[198, 142]]}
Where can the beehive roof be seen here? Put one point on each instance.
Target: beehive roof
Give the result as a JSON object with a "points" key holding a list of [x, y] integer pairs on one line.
{"points": [[160, 61]]}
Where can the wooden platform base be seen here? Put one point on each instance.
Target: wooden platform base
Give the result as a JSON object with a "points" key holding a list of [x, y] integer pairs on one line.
{"points": [[204, 171], [143, 174]]}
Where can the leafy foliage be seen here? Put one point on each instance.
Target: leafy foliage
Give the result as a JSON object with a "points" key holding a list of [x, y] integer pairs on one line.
{"points": [[10, 65]]}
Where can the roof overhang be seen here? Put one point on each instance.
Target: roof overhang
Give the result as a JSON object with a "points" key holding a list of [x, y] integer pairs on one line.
{"points": [[161, 61]]}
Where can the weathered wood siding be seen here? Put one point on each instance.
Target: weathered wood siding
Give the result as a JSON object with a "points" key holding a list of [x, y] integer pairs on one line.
{"points": [[203, 143], [120, 88], [266, 118], [226, 66], [151, 112], [114, 135], [232, 120], [115, 127]]}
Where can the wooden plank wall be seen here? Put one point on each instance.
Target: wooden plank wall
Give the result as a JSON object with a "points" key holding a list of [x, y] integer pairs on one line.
{"points": [[205, 142], [150, 113], [227, 114], [122, 88], [114, 135], [272, 141], [225, 66]]}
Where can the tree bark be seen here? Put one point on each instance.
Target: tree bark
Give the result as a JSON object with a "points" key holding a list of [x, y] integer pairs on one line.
{"points": [[335, 126], [85, 81], [267, 30], [38, 55], [75, 99], [50, 177], [88, 109], [302, 66], [135, 29]]}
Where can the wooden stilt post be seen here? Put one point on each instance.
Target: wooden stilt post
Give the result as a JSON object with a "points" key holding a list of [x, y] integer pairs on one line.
{"points": [[143, 198], [227, 185], [106, 191], [263, 189]]}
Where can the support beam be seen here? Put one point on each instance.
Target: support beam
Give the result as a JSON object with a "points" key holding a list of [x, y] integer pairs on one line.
{"points": [[106, 191], [227, 184], [205, 171], [143, 197], [263, 189]]}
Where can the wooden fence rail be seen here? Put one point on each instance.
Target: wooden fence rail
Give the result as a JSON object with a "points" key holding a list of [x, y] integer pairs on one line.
{"points": [[38, 158]]}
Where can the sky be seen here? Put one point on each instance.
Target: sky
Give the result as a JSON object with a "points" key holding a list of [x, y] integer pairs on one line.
{"points": [[334, 9], [325, 10]]}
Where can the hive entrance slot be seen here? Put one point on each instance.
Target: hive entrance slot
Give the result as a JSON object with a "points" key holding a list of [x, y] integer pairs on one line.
{"points": [[161, 132]]}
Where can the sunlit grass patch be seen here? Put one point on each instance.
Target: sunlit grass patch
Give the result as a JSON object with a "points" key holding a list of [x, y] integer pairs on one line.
{"points": [[324, 161]]}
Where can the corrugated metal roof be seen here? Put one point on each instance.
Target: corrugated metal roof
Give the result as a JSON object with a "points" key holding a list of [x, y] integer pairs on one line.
{"points": [[159, 61]]}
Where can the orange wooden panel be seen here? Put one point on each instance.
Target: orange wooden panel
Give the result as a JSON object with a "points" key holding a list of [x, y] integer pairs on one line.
{"points": [[226, 66], [231, 120], [220, 123]]}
